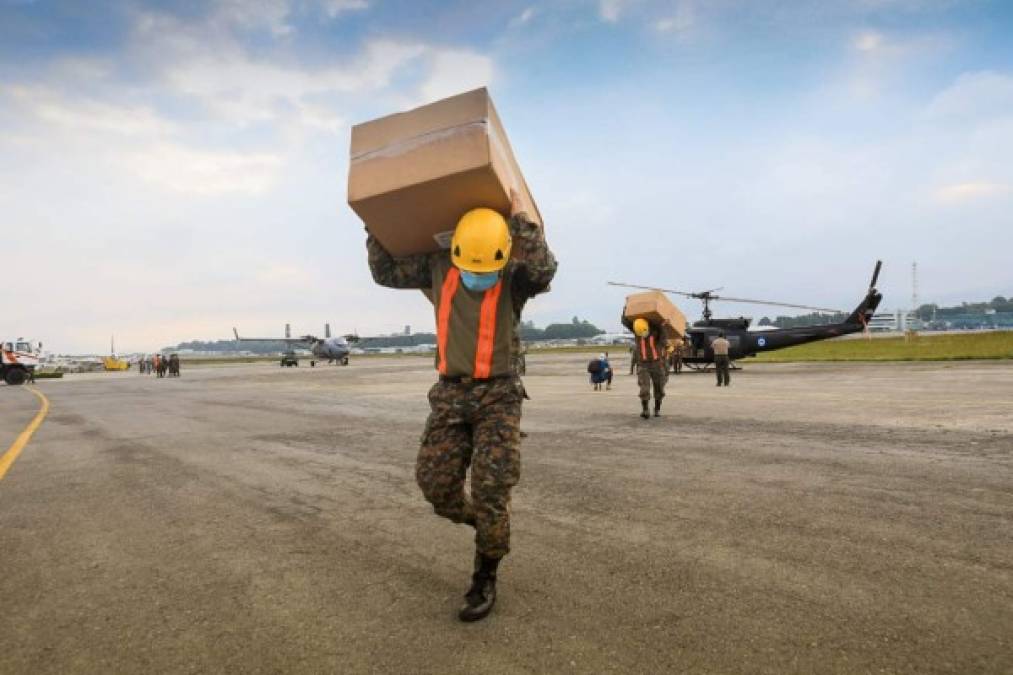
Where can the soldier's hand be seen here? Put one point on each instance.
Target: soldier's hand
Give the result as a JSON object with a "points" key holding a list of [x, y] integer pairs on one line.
{"points": [[515, 202]]}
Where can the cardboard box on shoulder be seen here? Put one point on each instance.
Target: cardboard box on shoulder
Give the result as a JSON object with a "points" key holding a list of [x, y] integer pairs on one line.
{"points": [[412, 175], [656, 308]]}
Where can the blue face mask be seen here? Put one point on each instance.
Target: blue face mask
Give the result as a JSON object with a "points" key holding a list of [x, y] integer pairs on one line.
{"points": [[479, 282]]}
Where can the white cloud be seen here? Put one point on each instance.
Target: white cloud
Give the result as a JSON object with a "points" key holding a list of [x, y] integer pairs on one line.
{"points": [[679, 23], [204, 172], [974, 97], [969, 192], [333, 8], [188, 135], [141, 142], [454, 71], [253, 14], [611, 10], [524, 17], [272, 15], [245, 91], [89, 116], [868, 41]]}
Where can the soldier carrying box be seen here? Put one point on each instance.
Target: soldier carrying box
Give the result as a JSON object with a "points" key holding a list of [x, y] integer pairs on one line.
{"points": [[478, 291], [649, 350]]}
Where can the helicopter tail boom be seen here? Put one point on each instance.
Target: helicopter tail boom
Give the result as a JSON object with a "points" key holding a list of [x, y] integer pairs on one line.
{"points": [[867, 308]]}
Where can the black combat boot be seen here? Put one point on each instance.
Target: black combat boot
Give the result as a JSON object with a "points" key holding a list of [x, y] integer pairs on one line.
{"points": [[657, 408], [643, 413], [481, 597]]}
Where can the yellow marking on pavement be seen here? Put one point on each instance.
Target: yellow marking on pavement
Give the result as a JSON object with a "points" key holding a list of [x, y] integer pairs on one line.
{"points": [[22, 440]]}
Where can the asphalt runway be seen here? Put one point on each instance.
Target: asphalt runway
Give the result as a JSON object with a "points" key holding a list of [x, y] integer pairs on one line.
{"points": [[253, 519]]}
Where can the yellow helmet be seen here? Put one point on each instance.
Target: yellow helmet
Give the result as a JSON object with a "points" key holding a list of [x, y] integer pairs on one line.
{"points": [[481, 242], [641, 328]]}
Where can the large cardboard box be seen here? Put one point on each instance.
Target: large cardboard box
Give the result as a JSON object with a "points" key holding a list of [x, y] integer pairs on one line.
{"points": [[656, 307], [414, 174]]}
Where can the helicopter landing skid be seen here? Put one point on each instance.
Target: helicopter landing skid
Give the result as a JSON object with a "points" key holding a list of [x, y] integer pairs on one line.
{"points": [[706, 367]]}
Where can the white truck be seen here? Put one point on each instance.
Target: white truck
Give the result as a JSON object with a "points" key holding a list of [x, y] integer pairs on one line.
{"points": [[18, 360]]}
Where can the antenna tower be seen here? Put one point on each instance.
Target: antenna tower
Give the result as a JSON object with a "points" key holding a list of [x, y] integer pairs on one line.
{"points": [[913, 317], [914, 286]]}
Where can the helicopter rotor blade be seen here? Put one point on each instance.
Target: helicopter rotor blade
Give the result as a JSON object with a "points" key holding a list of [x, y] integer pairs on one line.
{"points": [[777, 304], [719, 298], [875, 274], [652, 288]]}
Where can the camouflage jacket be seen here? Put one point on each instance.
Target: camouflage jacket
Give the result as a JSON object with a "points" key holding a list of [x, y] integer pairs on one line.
{"points": [[530, 269], [533, 263]]}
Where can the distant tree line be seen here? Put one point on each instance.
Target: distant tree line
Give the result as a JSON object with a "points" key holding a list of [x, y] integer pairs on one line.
{"points": [[575, 329], [998, 311], [413, 340], [932, 311], [229, 346]]}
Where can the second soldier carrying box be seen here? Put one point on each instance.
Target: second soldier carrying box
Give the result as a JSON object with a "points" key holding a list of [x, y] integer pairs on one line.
{"points": [[478, 291], [652, 371]]}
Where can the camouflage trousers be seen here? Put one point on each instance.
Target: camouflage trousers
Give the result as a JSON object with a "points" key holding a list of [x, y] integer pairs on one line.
{"points": [[653, 373], [476, 425]]}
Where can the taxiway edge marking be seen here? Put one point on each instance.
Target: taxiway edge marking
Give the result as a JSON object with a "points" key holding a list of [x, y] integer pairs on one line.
{"points": [[7, 459]]}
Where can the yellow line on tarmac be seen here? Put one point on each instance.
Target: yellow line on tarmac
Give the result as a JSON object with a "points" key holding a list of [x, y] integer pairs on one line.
{"points": [[22, 440]]}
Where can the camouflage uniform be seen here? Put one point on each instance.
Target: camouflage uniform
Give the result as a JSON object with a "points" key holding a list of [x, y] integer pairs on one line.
{"points": [[474, 422], [652, 368], [677, 354], [652, 373]]}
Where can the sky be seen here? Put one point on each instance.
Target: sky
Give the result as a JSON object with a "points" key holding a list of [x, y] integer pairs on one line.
{"points": [[171, 170]]}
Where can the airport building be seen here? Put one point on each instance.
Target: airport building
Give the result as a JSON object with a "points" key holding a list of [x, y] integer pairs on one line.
{"points": [[897, 321]]}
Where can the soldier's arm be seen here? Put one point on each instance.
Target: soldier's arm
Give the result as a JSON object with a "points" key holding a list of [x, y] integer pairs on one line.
{"points": [[535, 264], [412, 271]]}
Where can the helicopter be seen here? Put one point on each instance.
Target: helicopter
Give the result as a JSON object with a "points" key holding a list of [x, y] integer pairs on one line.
{"points": [[333, 349], [744, 343]]}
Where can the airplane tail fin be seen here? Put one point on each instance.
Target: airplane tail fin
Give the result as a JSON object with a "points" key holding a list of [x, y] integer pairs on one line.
{"points": [[235, 332], [288, 331], [327, 330], [867, 308]]}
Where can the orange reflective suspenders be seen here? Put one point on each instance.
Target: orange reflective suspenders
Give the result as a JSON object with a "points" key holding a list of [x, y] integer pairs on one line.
{"points": [[643, 349], [450, 284], [485, 348], [487, 331]]}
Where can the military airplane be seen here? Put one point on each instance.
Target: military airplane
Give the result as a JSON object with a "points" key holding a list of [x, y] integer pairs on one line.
{"points": [[333, 349], [744, 342]]}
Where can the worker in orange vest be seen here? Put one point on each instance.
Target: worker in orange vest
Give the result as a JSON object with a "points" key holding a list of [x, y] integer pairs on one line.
{"points": [[478, 291], [652, 371]]}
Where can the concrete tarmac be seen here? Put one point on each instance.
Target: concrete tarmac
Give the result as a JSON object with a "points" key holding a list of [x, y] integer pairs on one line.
{"points": [[254, 519]]}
